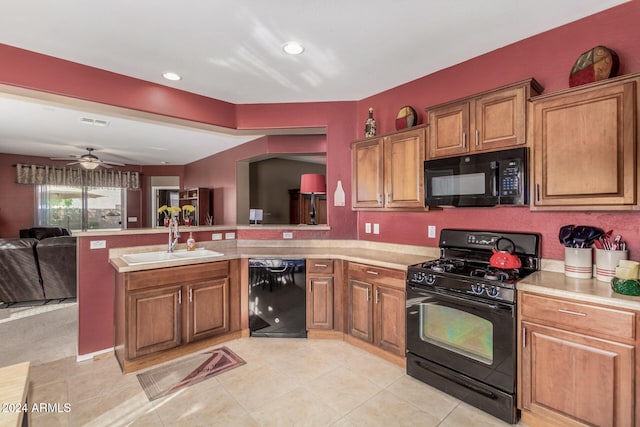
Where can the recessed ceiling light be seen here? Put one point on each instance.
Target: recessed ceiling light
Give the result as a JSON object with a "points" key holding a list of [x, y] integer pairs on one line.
{"points": [[293, 48], [169, 75]]}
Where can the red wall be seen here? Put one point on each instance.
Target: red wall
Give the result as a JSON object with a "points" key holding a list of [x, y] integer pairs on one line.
{"points": [[548, 58]]}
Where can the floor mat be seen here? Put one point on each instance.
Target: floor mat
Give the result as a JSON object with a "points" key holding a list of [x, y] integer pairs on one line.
{"points": [[167, 379]]}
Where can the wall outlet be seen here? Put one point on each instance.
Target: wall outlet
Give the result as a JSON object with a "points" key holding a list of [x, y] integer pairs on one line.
{"points": [[367, 227], [287, 235], [376, 228], [229, 236], [216, 236], [431, 231], [98, 244]]}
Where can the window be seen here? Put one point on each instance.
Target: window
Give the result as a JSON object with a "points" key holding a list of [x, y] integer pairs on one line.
{"points": [[80, 208]]}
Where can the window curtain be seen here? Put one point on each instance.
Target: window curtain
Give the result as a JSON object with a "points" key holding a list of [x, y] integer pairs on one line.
{"points": [[53, 175]]}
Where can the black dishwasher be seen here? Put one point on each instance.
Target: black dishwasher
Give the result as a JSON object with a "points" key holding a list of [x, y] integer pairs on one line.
{"points": [[277, 298]]}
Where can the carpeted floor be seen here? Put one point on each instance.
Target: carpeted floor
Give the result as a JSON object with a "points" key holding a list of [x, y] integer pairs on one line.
{"points": [[40, 334]]}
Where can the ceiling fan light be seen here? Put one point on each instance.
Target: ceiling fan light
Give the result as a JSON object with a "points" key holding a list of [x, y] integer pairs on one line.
{"points": [[88, 165]]}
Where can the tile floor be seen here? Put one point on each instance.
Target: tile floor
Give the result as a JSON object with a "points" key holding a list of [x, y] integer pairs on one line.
{"points": [[285, 382]]}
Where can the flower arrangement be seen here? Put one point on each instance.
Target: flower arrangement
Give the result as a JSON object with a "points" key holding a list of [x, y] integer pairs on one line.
{"points": [[188, 210], [164, 210], [174, 210]]}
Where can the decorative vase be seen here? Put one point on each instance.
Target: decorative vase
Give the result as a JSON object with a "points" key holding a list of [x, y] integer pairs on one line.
{"points": [[370, 125], [166, 221], [187, 221]]}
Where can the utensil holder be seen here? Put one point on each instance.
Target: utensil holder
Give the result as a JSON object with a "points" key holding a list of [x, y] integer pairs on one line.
{"points": [[606, 263], [578, 263]]}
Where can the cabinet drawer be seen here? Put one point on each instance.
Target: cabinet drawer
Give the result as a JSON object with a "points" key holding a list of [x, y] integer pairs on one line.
{"points": [[172, 275], [378, 275], [579, 317], [319, 266]]}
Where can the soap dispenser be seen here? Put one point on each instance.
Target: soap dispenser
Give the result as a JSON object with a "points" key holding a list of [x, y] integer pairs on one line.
{"points": [[191, 242]]}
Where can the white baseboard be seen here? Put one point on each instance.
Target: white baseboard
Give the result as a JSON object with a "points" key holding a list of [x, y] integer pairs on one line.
{"points": [[83, 357]]}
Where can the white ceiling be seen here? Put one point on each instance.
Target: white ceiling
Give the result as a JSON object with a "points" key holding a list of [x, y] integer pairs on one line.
{"points": [[232, 51]]}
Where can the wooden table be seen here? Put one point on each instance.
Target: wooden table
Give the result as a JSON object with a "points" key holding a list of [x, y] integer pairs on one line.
{"points": [[14, 386]]}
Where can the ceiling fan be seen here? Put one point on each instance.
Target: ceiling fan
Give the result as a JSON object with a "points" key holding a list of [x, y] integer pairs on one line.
{"points": [[89, 160]]}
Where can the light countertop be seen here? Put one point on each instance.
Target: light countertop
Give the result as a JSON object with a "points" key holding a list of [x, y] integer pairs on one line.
{"points": [[379, 254], [556, 284]]}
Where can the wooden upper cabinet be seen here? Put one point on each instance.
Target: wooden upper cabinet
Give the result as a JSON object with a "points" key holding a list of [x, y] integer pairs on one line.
{"points": [[404, 169], [489, 121], [367, 173], [449, 130], [388, 171], [584, 147]]}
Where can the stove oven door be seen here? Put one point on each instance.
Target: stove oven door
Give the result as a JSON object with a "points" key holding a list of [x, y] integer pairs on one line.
{"points": [[472, 337]]}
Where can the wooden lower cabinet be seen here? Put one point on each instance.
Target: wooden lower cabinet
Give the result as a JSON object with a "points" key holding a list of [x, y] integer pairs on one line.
{"points": [[208, 309], [573, 372], [320, 294], [376, 307], [154, 320], [166, 308]]}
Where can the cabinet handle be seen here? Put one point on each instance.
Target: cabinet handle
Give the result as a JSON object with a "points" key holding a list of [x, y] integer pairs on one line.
{"points": [[180, 296], [537, 192], [524, 337], [377, 295], [368, 294], [477, 137], [379, 199], [464, 140], [375, 273], [310, 287], [190, 295], [573, 313], [319, 265]]}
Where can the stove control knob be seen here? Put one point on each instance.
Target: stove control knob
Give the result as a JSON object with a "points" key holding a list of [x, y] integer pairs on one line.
{"points": [[493, 291], [431, 279], [419, 276], [477, 288]]}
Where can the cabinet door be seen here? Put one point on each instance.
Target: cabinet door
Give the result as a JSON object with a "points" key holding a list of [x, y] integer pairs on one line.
{"points": [[584, 147], [208, 312], [319, 302], [500, 120], [404, 169], [390, 319], [449, 130], [367, 173], [568, 376], [360, 310], [154, 320]]}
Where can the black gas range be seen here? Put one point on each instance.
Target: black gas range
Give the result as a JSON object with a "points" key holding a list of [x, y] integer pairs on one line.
{"points": [[461, 318]]}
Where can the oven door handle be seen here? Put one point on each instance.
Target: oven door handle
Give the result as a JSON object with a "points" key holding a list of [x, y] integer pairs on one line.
{"points": [[471, 301], [471, 387]]}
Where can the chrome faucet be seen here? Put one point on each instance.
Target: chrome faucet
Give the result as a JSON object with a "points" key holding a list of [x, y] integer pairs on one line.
{"points": [[174, 234]]}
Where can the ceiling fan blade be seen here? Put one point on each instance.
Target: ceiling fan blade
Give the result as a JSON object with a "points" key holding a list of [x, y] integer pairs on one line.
{"points": [[112, 163]]}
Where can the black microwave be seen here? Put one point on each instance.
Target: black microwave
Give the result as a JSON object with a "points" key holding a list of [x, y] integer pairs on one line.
{"points": [[484, 179]]}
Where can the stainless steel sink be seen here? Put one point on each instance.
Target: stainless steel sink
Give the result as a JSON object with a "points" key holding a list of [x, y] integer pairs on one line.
{"points": [[153, 257]]}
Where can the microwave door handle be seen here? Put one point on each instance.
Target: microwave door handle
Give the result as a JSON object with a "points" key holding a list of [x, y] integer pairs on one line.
{"points": [[494, 181]]}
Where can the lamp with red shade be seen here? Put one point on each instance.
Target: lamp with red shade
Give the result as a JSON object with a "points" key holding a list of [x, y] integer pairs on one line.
{"points": [[312, 183]]}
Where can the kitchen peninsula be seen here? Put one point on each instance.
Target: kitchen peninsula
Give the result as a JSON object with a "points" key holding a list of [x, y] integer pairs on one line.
{"points": [[97, 273]]}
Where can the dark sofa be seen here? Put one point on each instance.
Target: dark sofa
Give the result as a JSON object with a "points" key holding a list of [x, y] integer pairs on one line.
{"points": [[38, 267]]}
